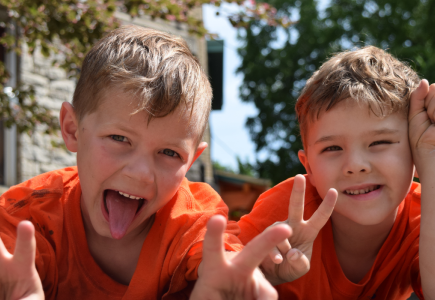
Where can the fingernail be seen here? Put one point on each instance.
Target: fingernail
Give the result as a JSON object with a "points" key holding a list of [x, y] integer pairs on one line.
{"points": [[295, 256], [278, 257]]}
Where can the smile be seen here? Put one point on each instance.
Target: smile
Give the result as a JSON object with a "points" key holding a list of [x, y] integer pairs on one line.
{"points": [[362, 191]]}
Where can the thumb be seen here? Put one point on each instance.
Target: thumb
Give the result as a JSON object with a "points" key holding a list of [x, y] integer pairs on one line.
{"points": [[213, 246], [417, 99], [25, 248]]}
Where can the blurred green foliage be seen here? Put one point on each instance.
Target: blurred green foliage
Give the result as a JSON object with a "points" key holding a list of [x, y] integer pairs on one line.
{"points": [[218, 166], [276, 62], [71, 27], [243, 167], [246, 168]]}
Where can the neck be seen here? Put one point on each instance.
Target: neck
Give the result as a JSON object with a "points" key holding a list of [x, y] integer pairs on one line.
{"points": [[358, 245], [356, 238], [117, 258]]}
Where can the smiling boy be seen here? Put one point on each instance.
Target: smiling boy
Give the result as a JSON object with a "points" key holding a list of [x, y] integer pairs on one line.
{"points": [[125, 223], [353, 120]]}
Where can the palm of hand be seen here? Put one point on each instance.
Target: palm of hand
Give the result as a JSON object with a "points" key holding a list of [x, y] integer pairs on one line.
{"points": [[290, 270], [421, 124], [296, 252], [18, 276], [422, 116]]}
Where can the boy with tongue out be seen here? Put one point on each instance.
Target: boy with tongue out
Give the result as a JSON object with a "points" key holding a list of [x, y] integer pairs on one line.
{"points": [[125, 223]]}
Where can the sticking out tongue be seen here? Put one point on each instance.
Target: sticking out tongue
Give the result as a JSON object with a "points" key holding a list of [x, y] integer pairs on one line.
{"points": [[121, 213]]}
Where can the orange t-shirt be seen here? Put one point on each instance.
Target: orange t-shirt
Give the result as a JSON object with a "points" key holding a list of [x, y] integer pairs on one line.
{"points": [[393, 276], [169, 257]]}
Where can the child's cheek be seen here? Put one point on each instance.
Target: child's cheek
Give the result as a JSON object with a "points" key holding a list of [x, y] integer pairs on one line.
{"points": [[171, 174]]}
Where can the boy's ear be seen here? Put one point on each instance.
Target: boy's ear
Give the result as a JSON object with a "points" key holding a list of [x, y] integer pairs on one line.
{"points": [[69, 126], [304, 160], [201, 147]]}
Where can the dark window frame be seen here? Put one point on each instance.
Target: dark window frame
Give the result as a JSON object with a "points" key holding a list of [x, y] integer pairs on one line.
{"points": [[215, 51], [2, 137]]}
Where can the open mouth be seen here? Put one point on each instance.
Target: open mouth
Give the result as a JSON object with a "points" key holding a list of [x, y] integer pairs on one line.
{"points": [[363, 191], [126, 197], [120, 210]]}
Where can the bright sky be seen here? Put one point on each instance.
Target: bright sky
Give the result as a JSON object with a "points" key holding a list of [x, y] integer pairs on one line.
{"points": [[230, 137], [229, 134]]}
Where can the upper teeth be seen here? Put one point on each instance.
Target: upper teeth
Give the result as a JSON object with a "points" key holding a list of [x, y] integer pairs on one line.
{"points": [[130, 196], [361, 191]]}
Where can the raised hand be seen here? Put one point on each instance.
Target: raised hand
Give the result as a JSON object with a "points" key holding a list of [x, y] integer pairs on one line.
{"points": [[291, 259], [18, 276], [421, 126], [422, 142], [229, 275]]}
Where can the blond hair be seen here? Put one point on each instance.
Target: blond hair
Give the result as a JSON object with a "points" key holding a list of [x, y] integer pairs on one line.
{"points": [[367, 75], [157, 68]]}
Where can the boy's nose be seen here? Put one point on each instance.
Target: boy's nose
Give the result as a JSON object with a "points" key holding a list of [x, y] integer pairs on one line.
{"points": [[140, 169], [351, 172], [356, 164]]}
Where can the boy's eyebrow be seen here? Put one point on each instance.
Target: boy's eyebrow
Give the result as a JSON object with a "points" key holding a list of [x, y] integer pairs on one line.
{"points": [[376, 132], [327, 138], [122, 127], [383, 131]]}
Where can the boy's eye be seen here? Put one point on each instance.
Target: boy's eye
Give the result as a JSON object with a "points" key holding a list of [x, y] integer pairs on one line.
{"points": [[332, 148], [170, 152], [118, 138], [380, 143]]}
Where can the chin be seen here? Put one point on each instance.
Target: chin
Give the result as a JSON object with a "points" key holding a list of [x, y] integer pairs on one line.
{"points": [[101, 228], [370, 220], [367, 222]]}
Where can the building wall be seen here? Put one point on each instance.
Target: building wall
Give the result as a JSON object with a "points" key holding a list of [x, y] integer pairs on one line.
{"points": [[36, 153]]}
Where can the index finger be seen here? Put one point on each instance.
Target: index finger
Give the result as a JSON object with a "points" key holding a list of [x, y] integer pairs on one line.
{"points": [[417, 99], [256, 250], [213, 245], [322, 214], [429, 102], [297, 199]]}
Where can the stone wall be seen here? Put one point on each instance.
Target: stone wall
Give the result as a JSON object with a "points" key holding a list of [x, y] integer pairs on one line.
{"points": [[36, 154]]}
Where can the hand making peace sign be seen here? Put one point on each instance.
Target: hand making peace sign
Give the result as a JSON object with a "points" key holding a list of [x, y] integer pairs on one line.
{"points": [[230, 275], [291, 258]]}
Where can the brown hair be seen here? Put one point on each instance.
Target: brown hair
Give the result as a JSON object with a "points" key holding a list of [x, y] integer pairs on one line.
{"points": [[157, 68], [367, 75]]}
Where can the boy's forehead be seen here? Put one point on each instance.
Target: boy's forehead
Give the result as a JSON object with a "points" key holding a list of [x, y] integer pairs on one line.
{"points": [[351, 105], [348, 110], [117, 105]]}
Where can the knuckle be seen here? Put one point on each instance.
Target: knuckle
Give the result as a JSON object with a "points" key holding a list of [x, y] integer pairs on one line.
{"points": [[278, 223]]}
